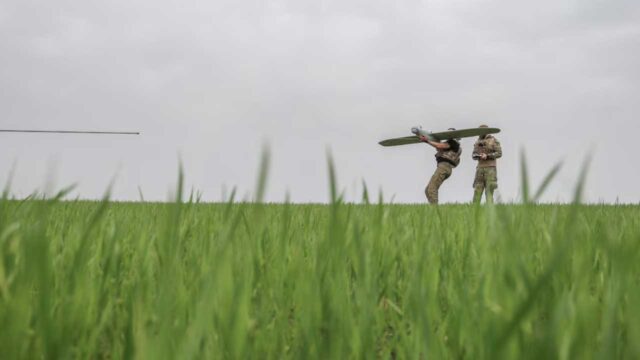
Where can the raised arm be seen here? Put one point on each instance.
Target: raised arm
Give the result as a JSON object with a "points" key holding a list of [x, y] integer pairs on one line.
{"points": [[435, 144]]}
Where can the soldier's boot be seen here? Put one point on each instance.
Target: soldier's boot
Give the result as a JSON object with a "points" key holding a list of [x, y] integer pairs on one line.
{"points": [[477, 194]]}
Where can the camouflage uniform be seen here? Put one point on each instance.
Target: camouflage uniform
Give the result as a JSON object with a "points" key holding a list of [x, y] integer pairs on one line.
{"points": [[447, 160], [486, 179]]}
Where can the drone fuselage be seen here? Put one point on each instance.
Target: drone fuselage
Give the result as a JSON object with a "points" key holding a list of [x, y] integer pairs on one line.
{"points": [[419, 132]]}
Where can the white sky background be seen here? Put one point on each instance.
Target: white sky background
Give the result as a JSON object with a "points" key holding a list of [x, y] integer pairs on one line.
{"points": [[211, 81]]}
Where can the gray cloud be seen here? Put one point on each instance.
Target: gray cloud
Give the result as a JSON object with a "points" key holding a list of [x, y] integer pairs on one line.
{"points": [[211, 81]]}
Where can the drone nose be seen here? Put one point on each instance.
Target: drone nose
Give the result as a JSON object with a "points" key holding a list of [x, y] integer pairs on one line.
{"points": [[415, 130]]}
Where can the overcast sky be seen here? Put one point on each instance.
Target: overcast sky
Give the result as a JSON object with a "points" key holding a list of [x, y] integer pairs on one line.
{"points": [[212, 81]]}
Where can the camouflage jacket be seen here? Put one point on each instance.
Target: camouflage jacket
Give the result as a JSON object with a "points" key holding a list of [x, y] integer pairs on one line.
{"points": [[450, 155], [489, 146]]}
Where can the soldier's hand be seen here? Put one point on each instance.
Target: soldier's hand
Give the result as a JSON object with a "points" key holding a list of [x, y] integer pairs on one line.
{"points": [[423, 138], [483, 156]]}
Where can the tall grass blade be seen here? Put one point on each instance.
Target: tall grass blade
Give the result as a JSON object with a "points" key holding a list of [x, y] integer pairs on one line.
{"points": [[582, 180], [365, 193], [263, 174], [333, 182], [524, 177], [547, 181]]}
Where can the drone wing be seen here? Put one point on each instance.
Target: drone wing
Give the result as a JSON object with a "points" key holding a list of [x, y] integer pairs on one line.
{"points": [[400, 141], [463, 133], [445, 135]]}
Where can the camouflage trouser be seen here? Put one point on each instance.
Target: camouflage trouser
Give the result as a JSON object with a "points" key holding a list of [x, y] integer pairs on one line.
{"points": [[486, 180], [442, 173]]}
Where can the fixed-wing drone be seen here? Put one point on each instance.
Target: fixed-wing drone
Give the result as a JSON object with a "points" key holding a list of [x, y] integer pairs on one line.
{"points": [[439, 136]]}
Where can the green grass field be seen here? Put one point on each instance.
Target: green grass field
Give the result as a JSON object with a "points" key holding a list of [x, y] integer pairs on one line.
{"points": [[122, 280], [183, 280]]}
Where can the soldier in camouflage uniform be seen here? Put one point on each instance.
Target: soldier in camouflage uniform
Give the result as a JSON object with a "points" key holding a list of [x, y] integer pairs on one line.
{"points": [[486, 151], [448, 157]]}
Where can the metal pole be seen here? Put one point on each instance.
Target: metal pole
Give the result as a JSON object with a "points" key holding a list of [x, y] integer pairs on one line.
{"points": [[70, 132]]}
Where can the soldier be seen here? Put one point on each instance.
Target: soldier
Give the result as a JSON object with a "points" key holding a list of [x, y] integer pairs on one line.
{"points": [[448, 157], [486, 151]]}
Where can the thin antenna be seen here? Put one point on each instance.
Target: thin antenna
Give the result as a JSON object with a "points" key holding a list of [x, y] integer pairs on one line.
{"points": [[70, 132]]}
